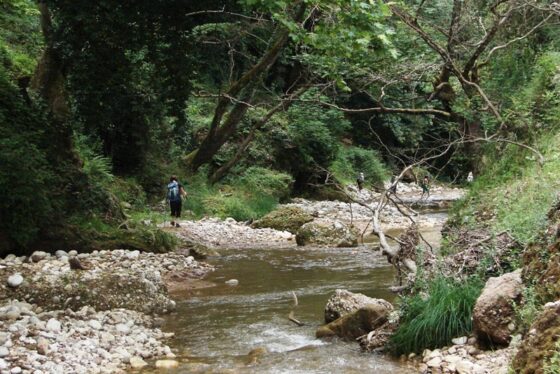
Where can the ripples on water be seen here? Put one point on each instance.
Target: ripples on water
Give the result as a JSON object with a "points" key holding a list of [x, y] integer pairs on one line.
{"points": [[217, 327]]}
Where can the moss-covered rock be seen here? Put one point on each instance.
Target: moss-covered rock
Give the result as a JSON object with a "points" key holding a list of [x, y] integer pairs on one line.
{"points": [[327, 233], [541, 260], [344, 302], [540, 343], [494, 311], [286, 218], [358, 323]]}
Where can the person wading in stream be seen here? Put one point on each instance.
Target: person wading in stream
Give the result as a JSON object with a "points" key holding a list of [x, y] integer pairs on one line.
{"points": [[360, 180], [175, 194], [425, 187]]}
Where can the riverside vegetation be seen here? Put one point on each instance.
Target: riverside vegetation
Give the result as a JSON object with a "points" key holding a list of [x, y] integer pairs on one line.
{"points": [[259, 105]]}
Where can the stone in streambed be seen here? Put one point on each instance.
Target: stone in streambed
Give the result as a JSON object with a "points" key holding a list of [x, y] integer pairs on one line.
{"points": [[232, 282], [137, 362], [494, 310], [327, 233], [38, 256], [344, 302], [15, 280], [167, 364], [4, 351], [53, 325], [286, 218], [358, 323], [42, 346]]}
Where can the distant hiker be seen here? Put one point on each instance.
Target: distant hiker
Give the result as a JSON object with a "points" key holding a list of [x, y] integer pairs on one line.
{"points": [[360, 181], [425, 187], [470, 177], [393, 188], [175, 192]]}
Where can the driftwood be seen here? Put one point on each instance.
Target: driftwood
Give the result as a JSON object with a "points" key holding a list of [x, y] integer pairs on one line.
{"points": [[291, 315]]}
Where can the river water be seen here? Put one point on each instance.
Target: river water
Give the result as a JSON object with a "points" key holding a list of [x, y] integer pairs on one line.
{"points": [[217, 327]]}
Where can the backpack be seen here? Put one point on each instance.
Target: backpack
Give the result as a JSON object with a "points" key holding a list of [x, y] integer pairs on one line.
{"points": [[173, 191]]}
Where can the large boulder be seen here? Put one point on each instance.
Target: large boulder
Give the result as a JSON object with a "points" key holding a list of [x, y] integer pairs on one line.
{"points": [[540, 343], [285, 218], [494, 315], [327, 233], [358, 323], [344, 302]]}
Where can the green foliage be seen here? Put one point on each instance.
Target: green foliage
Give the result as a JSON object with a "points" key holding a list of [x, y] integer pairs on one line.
{"points": [[96, 233], [249, 196], [350, 161], [20, 38], [514, 192], [315, 135], [552, 366], [26, 178], [440, 311], [527, 312], [266, 181]]}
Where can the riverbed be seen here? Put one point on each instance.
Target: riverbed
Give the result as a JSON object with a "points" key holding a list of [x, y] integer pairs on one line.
{"points": [[217, 327]]}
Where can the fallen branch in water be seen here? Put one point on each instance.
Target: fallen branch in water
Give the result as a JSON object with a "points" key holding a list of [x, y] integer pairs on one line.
{"points": [[291, 315]]}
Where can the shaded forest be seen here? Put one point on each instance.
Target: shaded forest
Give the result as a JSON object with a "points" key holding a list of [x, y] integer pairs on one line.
{"points": [[251, 102]]}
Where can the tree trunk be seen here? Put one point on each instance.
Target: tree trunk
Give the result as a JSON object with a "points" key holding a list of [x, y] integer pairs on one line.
{"points": [[48, 79], [219, 133]]}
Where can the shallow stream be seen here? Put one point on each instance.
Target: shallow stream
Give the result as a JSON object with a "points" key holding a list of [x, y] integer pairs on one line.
{"points": [[216, 327]]}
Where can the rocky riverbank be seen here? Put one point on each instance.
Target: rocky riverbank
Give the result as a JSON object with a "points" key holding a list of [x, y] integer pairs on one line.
{"points": [[87, 313], [228, 233], [465, 357]]}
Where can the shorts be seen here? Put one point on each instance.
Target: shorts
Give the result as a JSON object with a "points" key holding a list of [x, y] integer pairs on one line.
{"points": [[175, 208]]}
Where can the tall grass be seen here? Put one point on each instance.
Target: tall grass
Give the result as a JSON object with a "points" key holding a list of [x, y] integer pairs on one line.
{"points": [[350, 161], [434, 316], [248, 196]]}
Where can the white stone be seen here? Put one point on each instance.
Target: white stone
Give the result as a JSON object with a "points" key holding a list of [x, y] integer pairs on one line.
{"points": [[460, 341], [137, 362], [38, 256], [122, 328], [167, 364], [15, 370], [15, 280], [434, 362], [60, 253], [232, 282], [95, 324], [464, 367], [133, 255], [53, 325], [42, 346], [4, 352]]}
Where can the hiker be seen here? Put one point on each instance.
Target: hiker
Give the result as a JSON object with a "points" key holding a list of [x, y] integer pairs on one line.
{"points": [[175, 193], [393, 188], [360, 181], [470, 177], [425, 187]]}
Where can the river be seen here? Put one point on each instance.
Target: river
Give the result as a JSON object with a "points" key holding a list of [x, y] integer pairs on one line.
{"points": [[216, 327]]}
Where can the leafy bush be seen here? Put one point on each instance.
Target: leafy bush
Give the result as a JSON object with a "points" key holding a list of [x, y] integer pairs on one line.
{"points": [[249, 196], [266, 181], [527, 312], [437, 313], [352, 160], [314, 133], [26, 177], [553, 365]]}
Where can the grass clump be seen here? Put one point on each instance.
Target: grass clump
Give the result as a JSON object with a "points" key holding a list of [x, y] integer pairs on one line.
{"points": [[251, 195], [437, 313], [350, 161], [552, 366]]}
